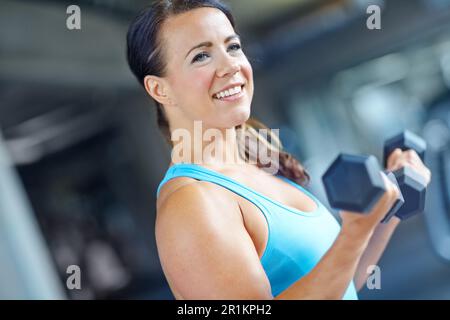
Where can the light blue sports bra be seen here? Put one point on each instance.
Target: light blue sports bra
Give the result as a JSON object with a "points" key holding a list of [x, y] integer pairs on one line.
{"points": [[297, 240]]}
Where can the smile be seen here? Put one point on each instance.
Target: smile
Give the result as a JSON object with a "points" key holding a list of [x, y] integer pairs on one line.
{"points": [[230, 94]]}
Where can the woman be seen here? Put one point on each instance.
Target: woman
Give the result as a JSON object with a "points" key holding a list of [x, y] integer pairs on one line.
{"points": [[229, 229]]}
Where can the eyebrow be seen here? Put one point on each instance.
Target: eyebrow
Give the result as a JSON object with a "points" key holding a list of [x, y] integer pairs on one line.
{"points": [[209, 44]]}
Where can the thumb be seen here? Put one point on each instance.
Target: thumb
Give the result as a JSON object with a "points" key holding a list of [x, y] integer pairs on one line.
{"points": [[393, 157]]}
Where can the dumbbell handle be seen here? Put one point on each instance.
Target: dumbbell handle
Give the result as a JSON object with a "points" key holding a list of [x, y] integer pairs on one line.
{"points": [[398, 203]]}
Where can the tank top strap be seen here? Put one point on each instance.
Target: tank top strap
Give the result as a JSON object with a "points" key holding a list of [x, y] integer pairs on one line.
{"points": [[201, 173]]}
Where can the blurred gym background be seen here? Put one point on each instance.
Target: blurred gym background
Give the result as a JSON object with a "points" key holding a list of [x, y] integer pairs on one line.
{"points": [[81, 155]]}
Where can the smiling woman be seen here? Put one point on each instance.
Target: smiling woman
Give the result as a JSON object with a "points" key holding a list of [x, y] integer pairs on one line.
{"points": [[156, 38], [229, 229]]}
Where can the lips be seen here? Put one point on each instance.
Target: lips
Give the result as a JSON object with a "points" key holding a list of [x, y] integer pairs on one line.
{"points": [[230, 86]]}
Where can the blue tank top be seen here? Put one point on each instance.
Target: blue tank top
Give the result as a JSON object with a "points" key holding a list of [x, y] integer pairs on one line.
{"points": [[297, 240]]}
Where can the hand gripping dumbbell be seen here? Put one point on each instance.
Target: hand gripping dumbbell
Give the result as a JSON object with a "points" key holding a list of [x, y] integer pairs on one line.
{"points": [[354, 183], [412, 185]]}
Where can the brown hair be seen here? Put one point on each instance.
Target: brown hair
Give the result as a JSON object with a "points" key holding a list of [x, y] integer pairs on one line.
{"points": [[145, 57]]}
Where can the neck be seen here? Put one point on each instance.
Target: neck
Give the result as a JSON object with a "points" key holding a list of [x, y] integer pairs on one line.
{"points": [[216, 147]]}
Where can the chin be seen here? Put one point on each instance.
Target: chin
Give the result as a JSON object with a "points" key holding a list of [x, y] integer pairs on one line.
{"points": [[239, 116]]}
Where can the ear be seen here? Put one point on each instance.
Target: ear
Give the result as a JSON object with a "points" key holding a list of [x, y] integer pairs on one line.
{"points": [[157, 87]]}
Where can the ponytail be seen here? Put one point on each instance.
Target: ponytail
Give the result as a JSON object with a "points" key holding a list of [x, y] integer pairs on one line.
{"points": [[288, 166]]}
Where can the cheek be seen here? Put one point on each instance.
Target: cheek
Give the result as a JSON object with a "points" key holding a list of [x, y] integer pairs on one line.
{"points": [[198, 83], [248, 68], [248, 73]]}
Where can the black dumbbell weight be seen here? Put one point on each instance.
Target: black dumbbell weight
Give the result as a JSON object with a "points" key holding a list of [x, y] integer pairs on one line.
{"points": [[412, 185], [354, 183]]}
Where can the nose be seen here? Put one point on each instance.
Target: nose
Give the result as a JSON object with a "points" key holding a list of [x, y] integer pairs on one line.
{"points": [[228, 67]]}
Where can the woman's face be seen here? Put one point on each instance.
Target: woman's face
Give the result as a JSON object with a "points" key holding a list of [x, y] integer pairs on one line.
{"points": [[209, 76]]}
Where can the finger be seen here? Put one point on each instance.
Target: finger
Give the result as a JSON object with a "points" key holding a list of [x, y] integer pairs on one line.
{"points": [[412, 160], [397, 164], [413, 164], [407, 159], [411, 153], [385, 203], [392, 191], [394, 156], [391, 188], [413, 156]]}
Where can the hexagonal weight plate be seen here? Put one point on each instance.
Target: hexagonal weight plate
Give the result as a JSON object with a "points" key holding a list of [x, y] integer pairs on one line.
{"points": [[353, 183], [413, 188]]}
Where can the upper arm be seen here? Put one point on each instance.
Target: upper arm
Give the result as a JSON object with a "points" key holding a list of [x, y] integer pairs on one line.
{"points": [[204, 248]]}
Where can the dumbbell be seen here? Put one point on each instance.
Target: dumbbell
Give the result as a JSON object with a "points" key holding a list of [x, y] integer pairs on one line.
{"points": [[412, 185], [354, 183]]}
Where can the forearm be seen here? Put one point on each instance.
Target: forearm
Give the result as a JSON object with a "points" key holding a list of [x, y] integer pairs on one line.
{"points": [[331, 277], [374, 250]]}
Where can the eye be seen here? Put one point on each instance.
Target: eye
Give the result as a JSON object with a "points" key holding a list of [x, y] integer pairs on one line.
{"points": [[200, 57], [235, 47]]}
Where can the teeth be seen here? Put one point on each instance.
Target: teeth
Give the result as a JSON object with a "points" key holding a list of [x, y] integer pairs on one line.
{"points": [[229, 92]]}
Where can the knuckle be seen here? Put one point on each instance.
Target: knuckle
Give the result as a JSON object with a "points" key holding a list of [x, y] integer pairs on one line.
{"points": [[392, 191], [411, 154], [395, 154]]}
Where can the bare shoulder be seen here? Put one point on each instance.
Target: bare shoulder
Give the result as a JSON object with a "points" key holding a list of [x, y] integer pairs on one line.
{"points": [[204, 248], [186, 195], [195, 210]]}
